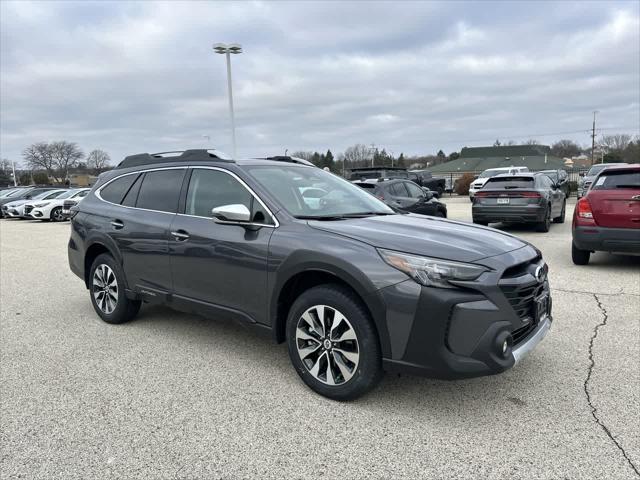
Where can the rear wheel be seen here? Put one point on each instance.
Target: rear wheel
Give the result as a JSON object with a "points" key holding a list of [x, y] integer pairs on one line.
{"points": [[579, 257], [545, 225], [333, 344], [56, 215], [106, 286], [560, 219]]}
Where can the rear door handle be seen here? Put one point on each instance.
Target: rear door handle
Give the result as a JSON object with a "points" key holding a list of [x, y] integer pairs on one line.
{"points": [[117, 224], [180, 235]]}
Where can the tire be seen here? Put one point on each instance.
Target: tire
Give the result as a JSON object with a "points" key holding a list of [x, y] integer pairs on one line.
{"points": [[545, 225], [440, 191], [56, 215], [115, 308], [560, 219], [478, 222], [579, 257], [325, 369]]}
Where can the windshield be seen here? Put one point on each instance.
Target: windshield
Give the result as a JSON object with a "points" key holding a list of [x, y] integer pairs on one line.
{"points": [[552, 175], [618, 179], [491, 173], [596, 169], [48, 195], [68, 194], [8, 193], [340, 198]]}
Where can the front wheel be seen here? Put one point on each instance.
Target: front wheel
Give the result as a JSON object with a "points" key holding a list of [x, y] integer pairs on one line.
{"points": [[56, 215], [480, 222], [106, 286], [579, 257], [333, 344]]}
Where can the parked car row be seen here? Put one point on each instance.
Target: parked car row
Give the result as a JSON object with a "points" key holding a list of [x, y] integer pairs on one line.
{"points": [[39, 203]]}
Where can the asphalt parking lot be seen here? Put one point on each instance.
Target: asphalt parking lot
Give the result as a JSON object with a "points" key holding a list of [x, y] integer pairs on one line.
{"points": [[178, 396]]}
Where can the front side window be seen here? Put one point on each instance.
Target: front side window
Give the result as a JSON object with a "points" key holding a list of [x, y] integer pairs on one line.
{"points": [[209, 189], [160, 190], [341, 198]]}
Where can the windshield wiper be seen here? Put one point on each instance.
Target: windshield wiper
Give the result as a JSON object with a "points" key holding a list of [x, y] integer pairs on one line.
{"points": [[342, 216]]}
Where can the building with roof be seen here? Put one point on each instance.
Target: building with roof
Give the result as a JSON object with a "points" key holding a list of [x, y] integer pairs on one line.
{"points": [[477, 159]]}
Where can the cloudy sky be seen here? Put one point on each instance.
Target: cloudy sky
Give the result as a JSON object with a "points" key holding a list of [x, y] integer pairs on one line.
{"points": [[413, 77]]}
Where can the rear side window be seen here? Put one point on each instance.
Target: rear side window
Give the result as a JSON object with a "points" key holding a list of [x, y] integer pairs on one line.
{"points": [[615, 180], [510, 182], [115, 191], [160, 190]]}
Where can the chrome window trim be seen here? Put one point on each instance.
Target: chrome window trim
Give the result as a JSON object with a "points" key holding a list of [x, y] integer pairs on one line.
{"points": [[193, 167]]}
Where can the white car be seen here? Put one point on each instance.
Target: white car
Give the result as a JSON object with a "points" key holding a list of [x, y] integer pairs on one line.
{"points": [[15, 209], [52, 209], [479, 182]]}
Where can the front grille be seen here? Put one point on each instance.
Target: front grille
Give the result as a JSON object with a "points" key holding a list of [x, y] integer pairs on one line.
{"points": [[522, 300], [27, 209]]}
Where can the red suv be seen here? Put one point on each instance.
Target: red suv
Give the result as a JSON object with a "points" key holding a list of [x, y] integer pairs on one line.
{"points": [[607, 218]]}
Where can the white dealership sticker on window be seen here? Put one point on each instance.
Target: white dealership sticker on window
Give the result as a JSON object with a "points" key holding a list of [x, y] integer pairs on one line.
{"points": [[600, 181]]}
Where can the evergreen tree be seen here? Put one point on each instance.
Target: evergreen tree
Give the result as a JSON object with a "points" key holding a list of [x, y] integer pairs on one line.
{"points": [[401, 160], [328, 160]]}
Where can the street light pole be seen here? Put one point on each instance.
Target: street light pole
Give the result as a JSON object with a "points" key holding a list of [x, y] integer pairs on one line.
{"points": [[227, 50]]}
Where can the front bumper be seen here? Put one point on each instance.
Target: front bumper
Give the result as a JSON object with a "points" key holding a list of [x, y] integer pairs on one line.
{"points": [[459, 333], [37, 214], [505, 213], [601, 239]]}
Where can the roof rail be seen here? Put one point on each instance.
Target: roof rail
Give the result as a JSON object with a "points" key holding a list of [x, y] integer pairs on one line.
{"points": [[288, 159], [196, 155]]}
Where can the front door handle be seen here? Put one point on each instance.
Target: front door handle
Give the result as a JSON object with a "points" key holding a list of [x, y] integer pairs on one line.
{"points": [[180, 235], [117, 224]]}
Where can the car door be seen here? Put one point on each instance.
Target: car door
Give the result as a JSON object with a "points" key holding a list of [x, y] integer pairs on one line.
{"points": [[420, 204], [142, 206], [399, 196], [221, 266], [555, 194]]}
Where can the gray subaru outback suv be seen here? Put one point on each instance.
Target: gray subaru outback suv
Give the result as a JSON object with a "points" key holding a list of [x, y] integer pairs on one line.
{"points": [[352, 286]]}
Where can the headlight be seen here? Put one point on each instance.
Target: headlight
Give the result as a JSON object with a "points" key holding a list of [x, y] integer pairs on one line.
{"points": [[432, 272], [40, 205]]}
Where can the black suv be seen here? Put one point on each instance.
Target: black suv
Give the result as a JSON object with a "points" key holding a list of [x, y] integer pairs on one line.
{"points": [[353, 287], [406, 196]]}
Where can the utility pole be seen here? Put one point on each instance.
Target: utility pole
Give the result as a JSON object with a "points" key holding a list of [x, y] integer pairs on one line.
{"points": [[373, 149], [13, 167], [593, 137]]}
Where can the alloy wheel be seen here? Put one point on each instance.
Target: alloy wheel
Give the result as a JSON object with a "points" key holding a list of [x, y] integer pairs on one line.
{"points": [[327, 345], [57, 215], [105, 288]]}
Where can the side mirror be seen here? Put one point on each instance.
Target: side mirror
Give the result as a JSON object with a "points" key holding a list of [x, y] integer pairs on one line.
{"points": [[581, 174], [231, 213], [28, 197], [554, 186]]}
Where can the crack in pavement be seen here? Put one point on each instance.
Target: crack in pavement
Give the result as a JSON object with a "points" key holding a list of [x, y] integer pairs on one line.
{"points": [[586, 292], [592, 364]]}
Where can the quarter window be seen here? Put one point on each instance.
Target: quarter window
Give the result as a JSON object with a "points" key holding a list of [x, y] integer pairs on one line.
{"points": [[209, 189], [115, 190], [160, 190]]}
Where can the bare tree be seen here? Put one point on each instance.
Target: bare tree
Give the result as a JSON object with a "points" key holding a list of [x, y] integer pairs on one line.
{"points": [[532, 141], [306, 155], [98, 160], [565, 149], [615, 143], [357, 155], [65, 156], [38, 156]]}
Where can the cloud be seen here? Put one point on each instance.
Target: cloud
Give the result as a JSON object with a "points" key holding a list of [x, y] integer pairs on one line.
{"points": [[414, 77]]}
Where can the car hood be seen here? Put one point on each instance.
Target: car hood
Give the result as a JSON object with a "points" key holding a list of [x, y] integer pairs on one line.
{"points": [[422, 235], [16, 203]]}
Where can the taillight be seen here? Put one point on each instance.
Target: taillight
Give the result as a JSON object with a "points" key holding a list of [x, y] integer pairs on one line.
{"points": [[584, 214], [529, 194], [482, 194]]}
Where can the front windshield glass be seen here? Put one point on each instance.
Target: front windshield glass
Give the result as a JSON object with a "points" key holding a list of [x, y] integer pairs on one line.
{"points": [[68, 193], [596, 169], [8, 193], [47, 195], [491, 173], [308, 192]]}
